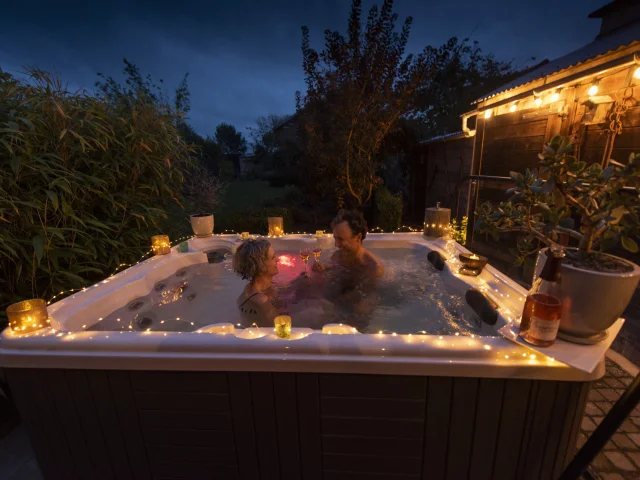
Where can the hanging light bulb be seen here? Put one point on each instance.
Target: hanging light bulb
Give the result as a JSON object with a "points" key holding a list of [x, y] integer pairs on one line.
{"points": [[513, 107], [487, 114], [636, 74], [538, 101], [593, 89], [556, 96]]}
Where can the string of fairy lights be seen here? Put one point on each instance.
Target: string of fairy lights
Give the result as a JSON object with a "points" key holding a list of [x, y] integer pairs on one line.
{"points": [[555, 94], [254, 331]]}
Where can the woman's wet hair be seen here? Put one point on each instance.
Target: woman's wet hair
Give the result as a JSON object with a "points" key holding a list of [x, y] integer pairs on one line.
{"points": [[354, 219], [250, 258]]}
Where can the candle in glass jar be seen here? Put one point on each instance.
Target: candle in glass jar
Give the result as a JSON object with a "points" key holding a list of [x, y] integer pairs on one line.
{"points": [[283, 326], [28, 316], [160, 244], [276, 228]]}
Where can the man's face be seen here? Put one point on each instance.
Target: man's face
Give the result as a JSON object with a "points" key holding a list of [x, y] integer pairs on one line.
{"points": [[345, 239]]}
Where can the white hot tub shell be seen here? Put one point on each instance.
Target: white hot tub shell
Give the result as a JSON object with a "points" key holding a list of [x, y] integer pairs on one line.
{"points": [[404, 406]]}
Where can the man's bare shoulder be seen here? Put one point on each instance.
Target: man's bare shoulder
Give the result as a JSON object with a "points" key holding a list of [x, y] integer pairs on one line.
{"points": [[373, 262]]}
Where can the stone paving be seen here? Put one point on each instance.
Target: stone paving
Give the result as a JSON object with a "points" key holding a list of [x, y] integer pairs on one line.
{"points": [[619, 460]]}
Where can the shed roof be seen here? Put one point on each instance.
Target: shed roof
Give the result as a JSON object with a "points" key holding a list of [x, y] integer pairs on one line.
{"points": [[621, 38], [445, 138]]}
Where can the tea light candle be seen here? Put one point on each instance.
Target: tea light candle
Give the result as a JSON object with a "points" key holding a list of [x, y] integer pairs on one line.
{"points": [[276, 226], [319, 233], [244, 235], [160, 244], [283, 326], [471, 260], [28, 316]]}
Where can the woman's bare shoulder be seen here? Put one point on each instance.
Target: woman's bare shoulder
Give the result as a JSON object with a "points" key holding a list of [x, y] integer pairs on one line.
{"points": [[260, 298]]}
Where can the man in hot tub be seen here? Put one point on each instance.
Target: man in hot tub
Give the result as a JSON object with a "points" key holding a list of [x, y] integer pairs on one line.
{"points": [[352, 268]]}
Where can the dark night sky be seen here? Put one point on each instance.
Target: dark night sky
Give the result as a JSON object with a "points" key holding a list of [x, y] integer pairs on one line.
{"points": [[243, 57]]}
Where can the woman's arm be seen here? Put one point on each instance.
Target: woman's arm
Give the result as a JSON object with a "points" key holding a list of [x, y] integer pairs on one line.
{"points": [[265, 309]]}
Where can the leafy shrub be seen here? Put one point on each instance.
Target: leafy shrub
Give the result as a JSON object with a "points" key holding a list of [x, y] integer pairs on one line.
{"points": [[388, 209], [458, 230], [293, 195], [279, 180], [84, 183], [253, 220]]}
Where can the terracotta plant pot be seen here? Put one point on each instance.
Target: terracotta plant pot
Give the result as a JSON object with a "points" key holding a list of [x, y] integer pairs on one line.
{"points": [[202, 224], [594, 300]]}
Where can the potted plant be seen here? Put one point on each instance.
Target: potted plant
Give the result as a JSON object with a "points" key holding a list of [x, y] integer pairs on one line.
{"points": [[589, 208], [205, 191]]}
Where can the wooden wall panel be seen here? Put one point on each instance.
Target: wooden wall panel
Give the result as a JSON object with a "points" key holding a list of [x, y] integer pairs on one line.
{"points": [[103, 424], [286, 412], [310, 430]]}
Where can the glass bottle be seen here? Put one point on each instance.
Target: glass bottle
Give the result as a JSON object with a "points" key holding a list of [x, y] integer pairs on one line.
{"points": [[543, 306]]}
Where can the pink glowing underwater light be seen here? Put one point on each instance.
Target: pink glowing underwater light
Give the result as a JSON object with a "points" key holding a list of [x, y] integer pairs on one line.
{"points": [[287, 260]]}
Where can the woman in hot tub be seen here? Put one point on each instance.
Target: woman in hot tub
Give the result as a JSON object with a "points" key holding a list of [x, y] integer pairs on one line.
{"points": [[260, 302], [256, 261]]}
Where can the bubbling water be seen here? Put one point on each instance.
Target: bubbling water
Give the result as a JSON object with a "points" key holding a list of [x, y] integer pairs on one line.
{"points": [[411, 297]]}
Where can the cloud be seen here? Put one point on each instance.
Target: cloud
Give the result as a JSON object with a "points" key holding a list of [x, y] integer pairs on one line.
{"points": [[243, 57]]}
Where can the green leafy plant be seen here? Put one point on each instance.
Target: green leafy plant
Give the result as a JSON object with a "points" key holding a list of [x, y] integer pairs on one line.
{"points": [[590, 203], [388, 209], [459, 230], [84, 182]]}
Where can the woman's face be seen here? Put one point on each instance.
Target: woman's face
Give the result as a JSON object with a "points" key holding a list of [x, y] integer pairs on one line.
{"points": [[272, 263]]}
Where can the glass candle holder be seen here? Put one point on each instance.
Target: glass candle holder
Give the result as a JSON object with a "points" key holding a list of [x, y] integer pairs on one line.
{"points": [[28, 316], [160, 244], [244, 235], [276, 226], [283, 326], [319, 233]]}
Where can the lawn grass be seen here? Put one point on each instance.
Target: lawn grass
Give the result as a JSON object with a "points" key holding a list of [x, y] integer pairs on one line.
{"points": [[243, 194]]}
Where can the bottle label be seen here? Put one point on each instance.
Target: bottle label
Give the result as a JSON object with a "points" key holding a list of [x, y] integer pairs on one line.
{"points": [[543, 329]]}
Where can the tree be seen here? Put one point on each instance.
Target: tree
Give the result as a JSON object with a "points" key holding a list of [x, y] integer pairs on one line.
{"points": [[461, 74], [230, 140], [263, 139], [358, 88]]}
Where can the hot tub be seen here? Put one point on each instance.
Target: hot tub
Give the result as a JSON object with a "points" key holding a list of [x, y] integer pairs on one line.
{"points": [[430, 392]]}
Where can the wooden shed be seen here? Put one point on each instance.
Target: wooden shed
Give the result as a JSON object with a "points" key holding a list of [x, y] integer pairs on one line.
{"points": [[591, 94], [438, 168]]}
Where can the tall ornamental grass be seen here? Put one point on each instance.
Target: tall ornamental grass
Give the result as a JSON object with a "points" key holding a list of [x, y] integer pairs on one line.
{"points": [[84, 183]]}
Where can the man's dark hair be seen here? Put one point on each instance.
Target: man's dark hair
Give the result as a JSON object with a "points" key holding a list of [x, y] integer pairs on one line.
{"points": [[354, 219]]}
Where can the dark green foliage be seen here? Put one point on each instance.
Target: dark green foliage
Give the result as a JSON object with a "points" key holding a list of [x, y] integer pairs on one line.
{"points": [[547, 203], [253, 220], [293, 195], [84, 181], [388, 209]]}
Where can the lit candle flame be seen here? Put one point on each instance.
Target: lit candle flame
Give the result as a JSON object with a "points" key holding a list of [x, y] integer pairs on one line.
{"points": [[474, 257]]}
